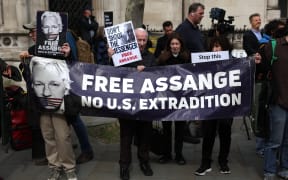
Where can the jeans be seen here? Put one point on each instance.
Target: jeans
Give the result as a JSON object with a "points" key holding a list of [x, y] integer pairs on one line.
{"points": [[277, 142], [260, 145], [81, 133]]}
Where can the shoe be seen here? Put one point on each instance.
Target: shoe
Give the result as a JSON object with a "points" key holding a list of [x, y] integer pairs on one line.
{"points": [[180, 159], [283, 174], [71, 175], [203, 170], [124, 173], [164, 159], [224, 169], [40, 162], [146, 169], [55, 174], [85, 157], [269, 176]]}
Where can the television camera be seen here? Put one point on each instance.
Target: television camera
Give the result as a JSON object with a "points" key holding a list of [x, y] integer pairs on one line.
{"points": [[222, 26]]}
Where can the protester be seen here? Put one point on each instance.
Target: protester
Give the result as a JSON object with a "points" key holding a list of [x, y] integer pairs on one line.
{"points": [[51, 82], [174, 53], [38, 150], [193, 38], [9, 71], [38, 147], [276, 144], [272, 30], [223, 126], [161, 42], [130, 128]]}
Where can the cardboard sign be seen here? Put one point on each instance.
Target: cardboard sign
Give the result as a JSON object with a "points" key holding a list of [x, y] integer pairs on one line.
{"points": [[122, 39]]}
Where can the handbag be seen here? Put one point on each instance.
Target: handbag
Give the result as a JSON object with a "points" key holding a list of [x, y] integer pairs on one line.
{"points": [[157, 139]]}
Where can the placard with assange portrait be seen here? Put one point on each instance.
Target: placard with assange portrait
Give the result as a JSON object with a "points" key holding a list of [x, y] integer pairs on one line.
{"points": [[122, 39], [51, 33]]}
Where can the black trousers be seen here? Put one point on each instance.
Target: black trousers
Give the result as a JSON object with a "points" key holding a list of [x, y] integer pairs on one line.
{"points": [[38, 144], [141, 130], [209, 133], [179, 134]]}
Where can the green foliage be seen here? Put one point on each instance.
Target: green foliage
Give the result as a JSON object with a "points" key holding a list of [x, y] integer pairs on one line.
{"points": [[106, 133]]}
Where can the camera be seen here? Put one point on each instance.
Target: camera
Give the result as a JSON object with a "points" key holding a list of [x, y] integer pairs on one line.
{"points": [[223, 26]]}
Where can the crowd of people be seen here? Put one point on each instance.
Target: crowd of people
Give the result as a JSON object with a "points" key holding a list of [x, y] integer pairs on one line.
{"points": [[51, 133]]}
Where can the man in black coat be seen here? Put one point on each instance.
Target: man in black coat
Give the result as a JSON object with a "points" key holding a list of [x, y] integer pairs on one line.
{"points": [[251, 38], [161, 42], [88, 26], [130, 128]]}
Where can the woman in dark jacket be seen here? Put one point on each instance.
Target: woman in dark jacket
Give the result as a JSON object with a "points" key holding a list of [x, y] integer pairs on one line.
{"points": [[174, 53], [211, 126]]}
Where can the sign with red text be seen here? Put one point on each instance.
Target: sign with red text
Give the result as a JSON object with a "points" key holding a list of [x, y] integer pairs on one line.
{"points": [[122, 39]]}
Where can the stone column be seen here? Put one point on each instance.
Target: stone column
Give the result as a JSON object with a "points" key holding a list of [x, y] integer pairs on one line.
{"points": [[98, 6]]}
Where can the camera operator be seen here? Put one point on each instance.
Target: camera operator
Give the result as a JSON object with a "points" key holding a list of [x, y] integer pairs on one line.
{"points": [[222, 27]]}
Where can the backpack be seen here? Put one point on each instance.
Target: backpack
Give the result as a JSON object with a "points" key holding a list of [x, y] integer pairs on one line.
{"points": [[84, 51], [274, 58]]}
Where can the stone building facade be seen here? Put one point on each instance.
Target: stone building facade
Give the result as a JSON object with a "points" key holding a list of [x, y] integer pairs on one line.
{"points": [[14, 13]]}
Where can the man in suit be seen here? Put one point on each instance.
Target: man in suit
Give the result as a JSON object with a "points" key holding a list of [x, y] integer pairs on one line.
{"points": [[251, 38], [251, 44]]}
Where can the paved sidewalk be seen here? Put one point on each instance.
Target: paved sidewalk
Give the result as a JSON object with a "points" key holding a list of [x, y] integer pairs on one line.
{"points": [[243, 161]]}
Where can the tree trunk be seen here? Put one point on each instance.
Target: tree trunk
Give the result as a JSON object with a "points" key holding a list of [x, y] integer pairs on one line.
{"points": [[135, 12]]}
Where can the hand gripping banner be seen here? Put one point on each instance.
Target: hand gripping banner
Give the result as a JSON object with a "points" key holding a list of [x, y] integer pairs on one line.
{"points": [[201, 91]]}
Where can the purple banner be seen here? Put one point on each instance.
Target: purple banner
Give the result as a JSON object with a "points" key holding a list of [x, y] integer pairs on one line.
{"points": [[210, 90]]}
